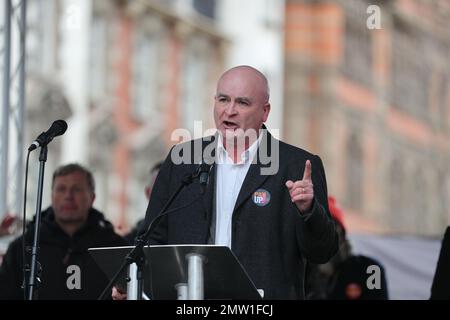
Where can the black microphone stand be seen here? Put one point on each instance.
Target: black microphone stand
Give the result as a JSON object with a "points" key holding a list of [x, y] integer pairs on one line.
{"points": [[136, 255], [33, 280]]}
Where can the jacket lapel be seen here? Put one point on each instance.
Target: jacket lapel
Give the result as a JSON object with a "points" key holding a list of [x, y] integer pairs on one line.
{"points": [[209, 194], [211, 186], [254, 178], [252, 181]]}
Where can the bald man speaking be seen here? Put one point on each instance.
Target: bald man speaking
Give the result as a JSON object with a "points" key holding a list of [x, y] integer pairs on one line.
{"points": [[265, 199]]}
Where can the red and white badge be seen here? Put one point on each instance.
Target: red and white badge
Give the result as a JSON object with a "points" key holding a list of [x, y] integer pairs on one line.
{"points": [[261, 197]]}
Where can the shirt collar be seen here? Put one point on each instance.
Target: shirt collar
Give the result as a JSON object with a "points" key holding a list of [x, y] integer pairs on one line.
{"points": [[246, 156]]}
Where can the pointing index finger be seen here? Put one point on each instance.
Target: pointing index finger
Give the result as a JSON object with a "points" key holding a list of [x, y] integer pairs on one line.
{"points": [[307, 172]]}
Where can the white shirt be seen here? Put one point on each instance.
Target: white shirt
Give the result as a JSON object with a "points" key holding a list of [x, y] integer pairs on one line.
{"points": [[229, 179]]}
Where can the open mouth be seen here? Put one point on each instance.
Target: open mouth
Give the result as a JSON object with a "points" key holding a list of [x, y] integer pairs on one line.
{"points": [[230, 125]]}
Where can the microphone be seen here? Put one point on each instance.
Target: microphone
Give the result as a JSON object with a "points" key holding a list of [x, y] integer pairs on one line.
{"points": [[203, 173], [57, 128]]}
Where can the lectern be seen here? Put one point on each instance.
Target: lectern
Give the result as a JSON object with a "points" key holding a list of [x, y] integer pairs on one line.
{"points": [[193, 272]]}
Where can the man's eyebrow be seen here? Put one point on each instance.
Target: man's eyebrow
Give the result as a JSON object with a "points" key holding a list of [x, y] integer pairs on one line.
{"points": [[244, 99], [222, 95]]}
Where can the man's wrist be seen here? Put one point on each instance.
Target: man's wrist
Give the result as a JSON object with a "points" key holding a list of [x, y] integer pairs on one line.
{"points": [[311, 208]]}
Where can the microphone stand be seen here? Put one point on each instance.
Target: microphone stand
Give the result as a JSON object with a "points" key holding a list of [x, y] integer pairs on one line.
{"points": [[33, 280], [136, 255]]}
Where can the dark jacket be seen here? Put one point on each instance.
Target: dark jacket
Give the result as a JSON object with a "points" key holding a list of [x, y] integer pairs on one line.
{"points": [[271, 241], [352, 279], [440, 289], [60, 257], [347, 279]]}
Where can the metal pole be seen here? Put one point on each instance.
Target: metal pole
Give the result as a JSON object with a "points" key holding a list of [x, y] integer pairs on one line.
{"points": [[182, 291], [34, 278], [132, 286], [195, 276], [21, 106], [5, 110]]}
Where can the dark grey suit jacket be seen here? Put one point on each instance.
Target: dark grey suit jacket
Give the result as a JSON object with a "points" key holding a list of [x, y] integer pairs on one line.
{"points": [[272, 241]]}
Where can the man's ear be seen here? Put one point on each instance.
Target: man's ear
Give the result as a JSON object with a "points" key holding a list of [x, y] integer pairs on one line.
{"points": [[266, 111]]}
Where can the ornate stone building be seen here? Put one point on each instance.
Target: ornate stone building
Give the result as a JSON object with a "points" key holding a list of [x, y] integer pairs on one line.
{"points": [[151, 71], [126, 73], [375, 103]]}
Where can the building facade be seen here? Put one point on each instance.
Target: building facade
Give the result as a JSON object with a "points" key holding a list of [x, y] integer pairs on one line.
{"points": [[367, 87], [126, 74]]}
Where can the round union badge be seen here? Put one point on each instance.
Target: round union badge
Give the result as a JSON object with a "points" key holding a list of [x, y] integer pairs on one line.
{"points": [[261, 197]]}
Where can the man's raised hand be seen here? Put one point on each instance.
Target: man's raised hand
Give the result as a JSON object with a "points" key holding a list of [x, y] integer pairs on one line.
{"points": [[302, 191]]}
